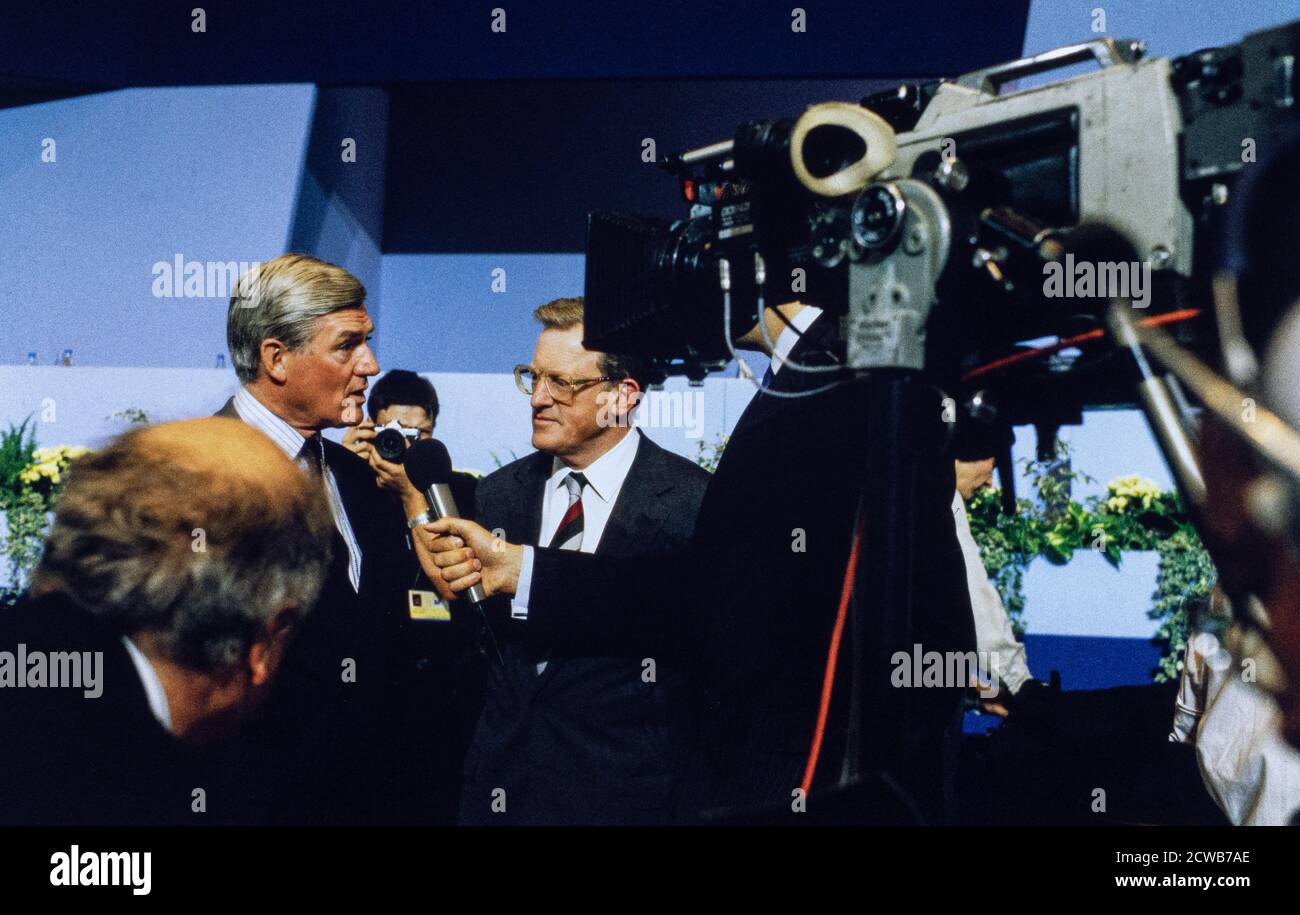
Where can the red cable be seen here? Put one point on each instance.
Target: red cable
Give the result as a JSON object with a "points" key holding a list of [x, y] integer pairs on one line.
{"points": [[846, 591], [1171, 318], [828, 680]]}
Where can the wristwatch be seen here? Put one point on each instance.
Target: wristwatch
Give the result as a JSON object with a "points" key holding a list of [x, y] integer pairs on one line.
{"points": [[421, 518]]}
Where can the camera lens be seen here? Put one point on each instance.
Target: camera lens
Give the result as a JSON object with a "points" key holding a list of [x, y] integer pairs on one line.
{"points": [[877, 215], [391, 445]]}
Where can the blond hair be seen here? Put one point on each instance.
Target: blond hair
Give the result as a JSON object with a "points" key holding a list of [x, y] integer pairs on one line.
{"points": [[560, 314]]}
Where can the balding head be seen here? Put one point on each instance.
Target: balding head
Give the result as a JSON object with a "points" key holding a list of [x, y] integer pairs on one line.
{"points": [[196, 532], [229, 454]]}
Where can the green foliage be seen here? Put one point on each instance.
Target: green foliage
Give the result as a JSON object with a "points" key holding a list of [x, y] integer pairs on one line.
{"points": [[1186, 577], [17, 444], [1133, 515], [498, 463], [31, 480], [24, 534], [709, 454]]}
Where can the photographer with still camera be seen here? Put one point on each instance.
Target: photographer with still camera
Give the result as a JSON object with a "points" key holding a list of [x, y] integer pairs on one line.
{"points": [[403, 409], [438, 678]]}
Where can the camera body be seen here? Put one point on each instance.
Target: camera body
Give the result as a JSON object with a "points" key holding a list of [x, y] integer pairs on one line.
{"points": [[936, 259], [392, 439]]}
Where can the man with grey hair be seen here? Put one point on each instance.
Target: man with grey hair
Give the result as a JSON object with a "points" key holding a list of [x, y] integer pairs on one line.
{"points": [[299, 339], [182, 559]]}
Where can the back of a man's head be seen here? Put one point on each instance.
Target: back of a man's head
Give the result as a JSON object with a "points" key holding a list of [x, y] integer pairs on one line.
{"points": [[196, 532]]}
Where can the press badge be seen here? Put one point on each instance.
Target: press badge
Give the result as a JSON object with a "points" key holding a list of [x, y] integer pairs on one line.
{"points": [[427, 605]]}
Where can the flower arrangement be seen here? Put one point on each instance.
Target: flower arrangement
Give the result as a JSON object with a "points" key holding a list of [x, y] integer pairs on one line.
{"points": [[48, 467], [1133, 514], [31, 480]]}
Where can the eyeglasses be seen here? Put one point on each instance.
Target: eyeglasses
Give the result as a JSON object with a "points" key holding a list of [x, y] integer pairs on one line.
{"points": [[562, 390]]}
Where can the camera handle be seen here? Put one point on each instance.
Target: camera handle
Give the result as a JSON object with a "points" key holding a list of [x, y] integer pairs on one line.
{"points": [[1107, 52]]}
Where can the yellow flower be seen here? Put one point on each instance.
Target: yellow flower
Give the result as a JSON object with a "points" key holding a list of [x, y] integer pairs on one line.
{"points": [[1133, 486], [75, 451], [34, 472]]}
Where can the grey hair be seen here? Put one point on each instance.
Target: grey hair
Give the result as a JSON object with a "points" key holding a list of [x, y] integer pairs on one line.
{"points": [[124, 545], [282, 299]]}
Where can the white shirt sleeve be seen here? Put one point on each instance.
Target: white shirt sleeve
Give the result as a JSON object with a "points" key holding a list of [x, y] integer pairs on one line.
{"points": [[519, 603], [1248, 769], [1190, 701], [995, 638]]}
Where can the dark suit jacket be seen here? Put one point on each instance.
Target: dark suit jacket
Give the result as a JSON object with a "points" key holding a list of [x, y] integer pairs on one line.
{"points": [[758, 590], [324, 749], [73, 760], [597, 738]]}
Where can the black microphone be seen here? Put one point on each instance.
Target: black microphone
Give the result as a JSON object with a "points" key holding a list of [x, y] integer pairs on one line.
{"points": [[428, 467]]}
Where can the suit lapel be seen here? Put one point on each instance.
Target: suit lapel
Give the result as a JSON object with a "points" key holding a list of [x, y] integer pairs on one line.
{"points": [[640, 509], [363, 521], [530, 479], [522, 523]]}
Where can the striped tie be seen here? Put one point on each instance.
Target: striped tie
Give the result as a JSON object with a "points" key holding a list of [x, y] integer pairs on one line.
{"points": [[568, 536]]}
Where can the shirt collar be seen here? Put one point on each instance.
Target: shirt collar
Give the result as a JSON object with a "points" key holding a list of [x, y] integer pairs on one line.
{"points": [[153, 688], [790, 336], [604, 475], [259, 416]]}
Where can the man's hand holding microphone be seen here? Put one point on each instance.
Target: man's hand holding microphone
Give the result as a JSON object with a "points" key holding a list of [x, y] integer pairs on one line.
{"points": [[457, 555], [461, 554]]}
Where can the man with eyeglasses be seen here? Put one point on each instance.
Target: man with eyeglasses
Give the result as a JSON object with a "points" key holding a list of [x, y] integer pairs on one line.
{"points": [[566, 738], [749, 606]]}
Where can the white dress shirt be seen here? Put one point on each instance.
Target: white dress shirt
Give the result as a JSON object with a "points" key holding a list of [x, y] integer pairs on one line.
{"points": [[153, 688], [788, 337], [994, 636], [290, 441], [605, 477]]}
